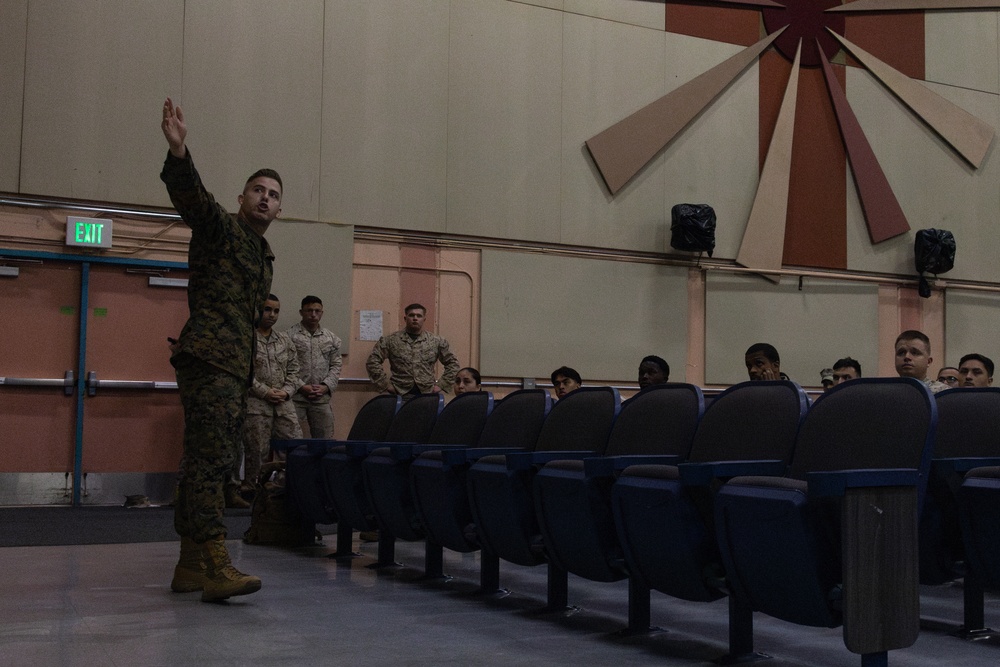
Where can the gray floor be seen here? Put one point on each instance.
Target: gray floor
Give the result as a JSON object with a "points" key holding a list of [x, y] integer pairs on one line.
{"points": [[110, 604]]}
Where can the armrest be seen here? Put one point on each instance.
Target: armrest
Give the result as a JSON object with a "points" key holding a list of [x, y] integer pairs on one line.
{"points": [[960, 466], [608, 466], [314, 445], [702, 474], [360, 448], [407, 451], [528, 460], [457, 455], [836, 482]]}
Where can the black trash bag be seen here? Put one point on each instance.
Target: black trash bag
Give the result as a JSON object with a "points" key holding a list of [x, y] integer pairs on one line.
{"points": [[692, 227], [933, 252]]}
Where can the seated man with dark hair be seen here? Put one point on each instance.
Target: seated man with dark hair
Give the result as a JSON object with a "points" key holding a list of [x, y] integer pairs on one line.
{"points": [[846, 369], [653, 370], [976, 370], [565, 380], [949, 376], [763, 362]]}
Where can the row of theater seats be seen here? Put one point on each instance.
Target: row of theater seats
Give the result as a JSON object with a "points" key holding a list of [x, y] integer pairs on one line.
{"points": [[806, 513]]}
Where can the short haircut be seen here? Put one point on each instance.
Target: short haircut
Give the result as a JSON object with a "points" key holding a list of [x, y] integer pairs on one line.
{"points": [[913, 334], [566, 372], [659, 361], [768, 350], [848, 362], [473, 372], [414, 306], [271, 297], [306, 300], [985, 361], [266, 173]]}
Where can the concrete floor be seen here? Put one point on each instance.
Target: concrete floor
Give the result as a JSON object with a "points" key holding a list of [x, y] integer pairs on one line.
{"points": [[111, 605]]}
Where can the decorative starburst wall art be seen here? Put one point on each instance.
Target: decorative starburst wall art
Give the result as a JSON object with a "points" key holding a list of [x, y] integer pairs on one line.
{"points": [[793, 222]]}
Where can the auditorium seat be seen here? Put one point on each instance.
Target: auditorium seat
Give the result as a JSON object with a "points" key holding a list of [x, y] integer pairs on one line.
{"points": [[500, 486], [439, 485], [386, 475], [664, 512], [967, 437], [573, 496], [835, 541], [341, 467], [304, 477]]}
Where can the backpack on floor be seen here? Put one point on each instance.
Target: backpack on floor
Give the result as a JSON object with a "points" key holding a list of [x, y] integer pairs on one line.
{"points": [[274, 519]]}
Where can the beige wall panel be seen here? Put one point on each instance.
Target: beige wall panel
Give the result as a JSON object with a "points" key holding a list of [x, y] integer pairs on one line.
{"points": [[549, 4], [811, 328], [13, 34], [313, 258], [610, 70], [385, 113], [935, 187], [961, 49], [715, 159], [971, 322], [645, 14], [459, 303], [504, 118], [600, 317], [95, 78], [252, 95]]}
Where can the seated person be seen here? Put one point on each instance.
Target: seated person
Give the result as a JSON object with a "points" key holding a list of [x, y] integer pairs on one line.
{"points": [[846, 369], [913, 356], [565, 380], [763, 362], [826, 379], [976, 370], [653, 370], [467, 379], [949, 376]]}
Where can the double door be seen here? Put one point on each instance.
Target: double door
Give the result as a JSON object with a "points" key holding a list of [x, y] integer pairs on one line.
{"points": [[89, 412]]}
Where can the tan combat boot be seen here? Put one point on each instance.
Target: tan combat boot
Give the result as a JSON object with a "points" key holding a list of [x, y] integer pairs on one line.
{"points": [[234, 500], [189, 574], [222, 580]]}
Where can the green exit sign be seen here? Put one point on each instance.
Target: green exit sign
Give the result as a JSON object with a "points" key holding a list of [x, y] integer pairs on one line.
{"points": [[91, 232]]}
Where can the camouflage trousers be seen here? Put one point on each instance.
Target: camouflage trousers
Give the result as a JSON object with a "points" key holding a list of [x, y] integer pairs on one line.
{"points": [[257, 434], [214, 403], [318, 416]]}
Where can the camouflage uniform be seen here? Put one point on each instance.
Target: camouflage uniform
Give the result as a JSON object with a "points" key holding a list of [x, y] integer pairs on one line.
{"points": [[412, 362], [319, 363], [276, 366], [230, 278]]}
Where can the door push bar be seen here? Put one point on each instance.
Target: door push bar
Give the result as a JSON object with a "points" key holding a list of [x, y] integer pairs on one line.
{"points": [[67, 382], [93, 384]]}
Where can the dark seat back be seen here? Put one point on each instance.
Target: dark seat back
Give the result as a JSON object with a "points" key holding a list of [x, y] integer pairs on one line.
{"points": [[867, 423], [415, 419], [580, 421], [517, 419], [765, 413], [462, 420], [968, 423], [661, 419], [374, 418]]}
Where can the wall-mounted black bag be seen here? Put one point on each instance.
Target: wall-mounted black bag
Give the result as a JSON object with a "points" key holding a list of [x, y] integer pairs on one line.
{"points": [[692, 227], [933, 252]]}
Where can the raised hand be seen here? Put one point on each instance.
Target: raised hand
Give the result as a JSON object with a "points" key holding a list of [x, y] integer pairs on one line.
{"points": [[174, 128]]}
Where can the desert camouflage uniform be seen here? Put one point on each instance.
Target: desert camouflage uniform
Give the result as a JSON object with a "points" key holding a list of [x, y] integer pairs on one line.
{"points": [[230, 278], [411, 362], [276, 366], [320, 362]]}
